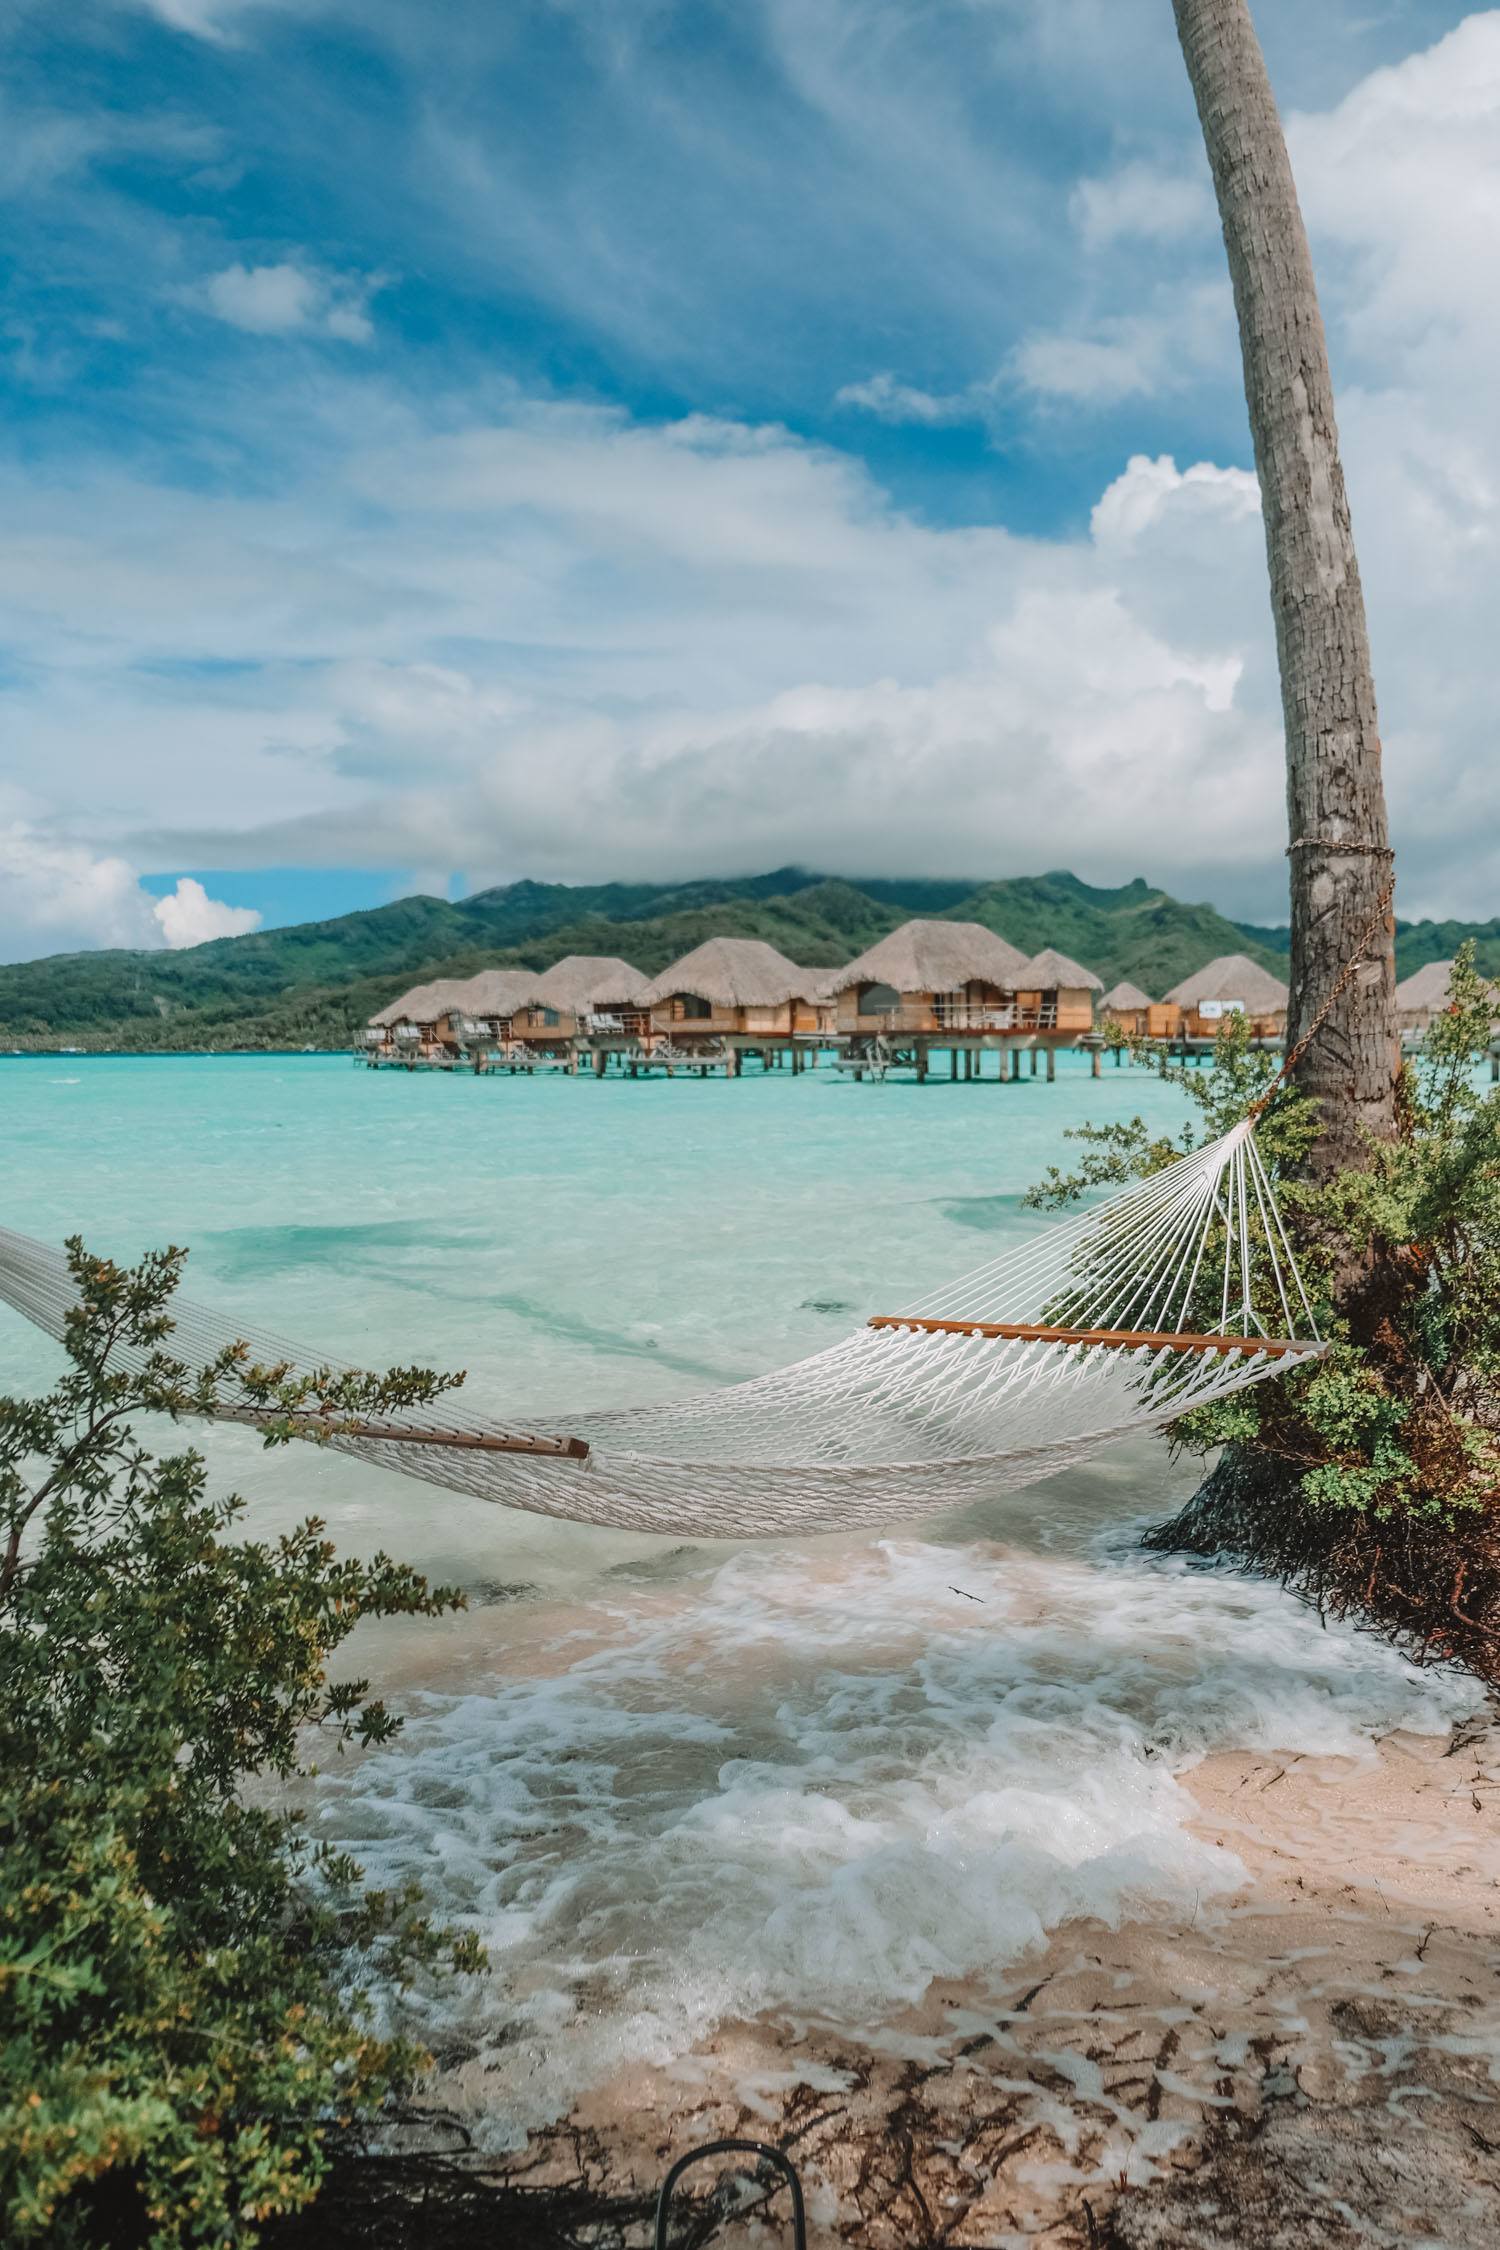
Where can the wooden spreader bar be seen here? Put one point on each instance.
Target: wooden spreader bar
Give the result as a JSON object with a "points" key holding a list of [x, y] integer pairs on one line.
{"points": [[1158, 1339], [314, 1425]]}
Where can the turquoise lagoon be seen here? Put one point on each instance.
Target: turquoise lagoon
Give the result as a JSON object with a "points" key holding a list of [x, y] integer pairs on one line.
{"points": [[673, 1783]]}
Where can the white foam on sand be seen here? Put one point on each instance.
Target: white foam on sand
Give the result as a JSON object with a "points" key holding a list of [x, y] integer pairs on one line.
{"points": [[817, 1783]]}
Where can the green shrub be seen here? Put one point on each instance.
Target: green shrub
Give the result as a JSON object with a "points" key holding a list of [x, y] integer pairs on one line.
{"points": [[1401, 1258], [176, 2024]]}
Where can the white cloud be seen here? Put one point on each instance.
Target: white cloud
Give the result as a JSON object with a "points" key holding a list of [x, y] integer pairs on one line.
{"points": [[291, 299], [58, 895], [188, 916], [1403, 179], [513, 635], [55, 896], [1144, 493], [1139, 203], [1166, 348], [892, 401], [214, 20], [772, 661]]}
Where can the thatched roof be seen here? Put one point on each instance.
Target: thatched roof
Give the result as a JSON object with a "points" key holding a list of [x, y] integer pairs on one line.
{"points": [[581, 981], [927, 956], [1234, 976], [1051, 971], [423, 1004], [1428, 988], [498, 992], [492, 992], [733, 973], [821, 984], [1125, 998]]}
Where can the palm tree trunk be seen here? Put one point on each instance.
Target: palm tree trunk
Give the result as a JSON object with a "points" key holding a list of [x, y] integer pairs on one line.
{"points": [[1340, 855]]}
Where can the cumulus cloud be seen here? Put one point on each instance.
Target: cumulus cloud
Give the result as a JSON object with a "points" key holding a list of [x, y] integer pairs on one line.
{"points": [[291, 299], [776, 661], [55, 896], [60, 896], [188, 916], [1145, 495]]}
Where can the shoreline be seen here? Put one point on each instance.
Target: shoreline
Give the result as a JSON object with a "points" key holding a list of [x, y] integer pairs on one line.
{"points": [[1315, 2058]]}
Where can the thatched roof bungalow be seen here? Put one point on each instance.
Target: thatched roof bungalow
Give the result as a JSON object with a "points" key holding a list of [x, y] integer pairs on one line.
{"points": [[733, 985], [1132, 1009], [454, 1011], [582, 987], [1232, 985], [931, 976], [421, 1007], [1423, 995], [1054, 993]]}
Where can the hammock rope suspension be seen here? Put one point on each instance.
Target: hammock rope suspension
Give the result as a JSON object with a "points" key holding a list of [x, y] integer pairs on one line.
{"points": [[1177, 1292]]}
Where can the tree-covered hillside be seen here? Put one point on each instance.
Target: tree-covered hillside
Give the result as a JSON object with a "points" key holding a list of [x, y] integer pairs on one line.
{"points": [[317, 983]]}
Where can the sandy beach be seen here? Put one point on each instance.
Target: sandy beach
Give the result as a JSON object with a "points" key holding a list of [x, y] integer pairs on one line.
{"points": [[1315, 2059]]}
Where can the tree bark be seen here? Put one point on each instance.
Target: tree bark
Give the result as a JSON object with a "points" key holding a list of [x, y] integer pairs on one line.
{"points": [[1340, 857]]}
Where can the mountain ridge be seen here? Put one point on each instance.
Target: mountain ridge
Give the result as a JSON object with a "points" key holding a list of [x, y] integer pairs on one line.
{"points": [[315, 983]]}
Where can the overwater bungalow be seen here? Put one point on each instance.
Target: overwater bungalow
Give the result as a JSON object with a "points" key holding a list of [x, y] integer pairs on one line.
{"points": [[414, 1028], [1055, 994], [734, 993], [1422, 996], [583, 996], [1232, 985], [928, 978], [1126, 1005], [450, 1018]]}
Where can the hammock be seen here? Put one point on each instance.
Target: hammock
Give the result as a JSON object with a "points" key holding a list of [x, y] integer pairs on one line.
{"points": [[1177, 1292]]}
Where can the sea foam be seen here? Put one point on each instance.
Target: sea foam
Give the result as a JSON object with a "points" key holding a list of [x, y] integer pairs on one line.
{"points": [[816, 1784]]}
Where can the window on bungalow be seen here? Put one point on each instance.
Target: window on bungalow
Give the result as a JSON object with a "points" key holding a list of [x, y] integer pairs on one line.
{"points": [[694, 1005], [878, 1000]]}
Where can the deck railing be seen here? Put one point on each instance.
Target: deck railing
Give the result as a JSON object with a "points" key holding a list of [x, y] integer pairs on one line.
{"points": [[946, 1014], [974, 1015]]}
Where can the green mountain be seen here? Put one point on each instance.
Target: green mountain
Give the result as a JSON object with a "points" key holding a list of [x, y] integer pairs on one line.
{"points": [[1417, 943], [316, 983], [1134, 932]]}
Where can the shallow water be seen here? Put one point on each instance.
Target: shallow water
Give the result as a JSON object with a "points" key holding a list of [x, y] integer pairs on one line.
{"points": [[670, 1782]]}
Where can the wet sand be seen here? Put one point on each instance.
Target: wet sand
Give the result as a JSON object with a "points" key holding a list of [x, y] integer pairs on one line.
{"points": [[1314, 2059]]}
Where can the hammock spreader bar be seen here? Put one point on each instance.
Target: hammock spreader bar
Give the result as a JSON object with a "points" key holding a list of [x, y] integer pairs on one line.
{"points": [[318, 1426], [1117, 1339]]}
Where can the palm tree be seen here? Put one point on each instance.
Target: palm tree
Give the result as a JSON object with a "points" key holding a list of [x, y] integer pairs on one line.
{"points": [[1341, 863]]}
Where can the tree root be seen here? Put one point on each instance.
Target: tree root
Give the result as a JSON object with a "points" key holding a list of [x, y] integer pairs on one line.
{"points": [[1431, 1582]]}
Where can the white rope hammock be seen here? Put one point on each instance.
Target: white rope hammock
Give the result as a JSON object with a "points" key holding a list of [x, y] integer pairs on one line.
{"points": [[1179, 1291]]}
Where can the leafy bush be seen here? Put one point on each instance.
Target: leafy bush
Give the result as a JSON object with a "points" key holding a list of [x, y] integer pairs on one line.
{"points": [[1374, 1472], [174, 2036]]}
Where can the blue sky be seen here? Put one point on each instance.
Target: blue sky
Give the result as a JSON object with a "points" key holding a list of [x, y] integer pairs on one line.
{"points": [[651, 437]]}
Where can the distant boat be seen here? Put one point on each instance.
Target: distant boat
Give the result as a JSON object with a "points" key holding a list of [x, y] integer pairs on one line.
{"points": [[72, 1050]]}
